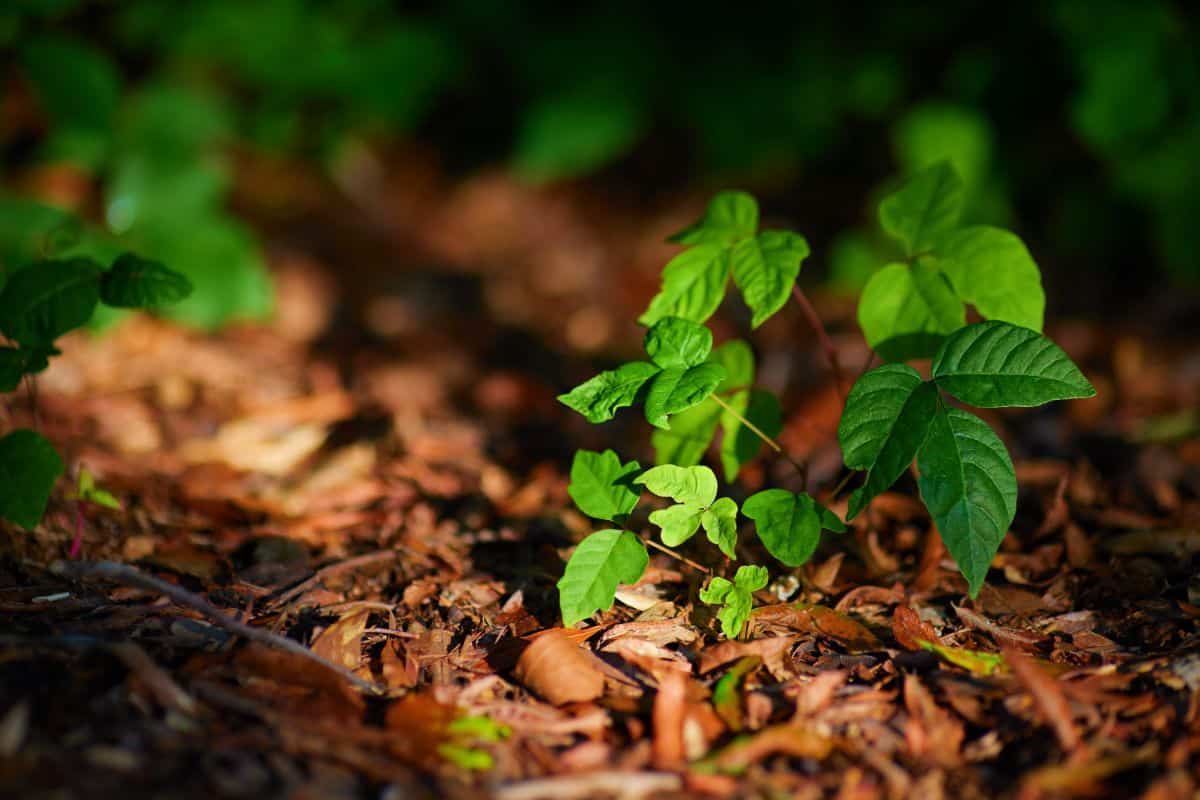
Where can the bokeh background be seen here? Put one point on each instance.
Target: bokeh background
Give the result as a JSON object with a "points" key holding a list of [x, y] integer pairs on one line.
{"points": [[519, 158]]}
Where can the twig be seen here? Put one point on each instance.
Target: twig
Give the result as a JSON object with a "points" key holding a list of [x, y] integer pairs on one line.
{"points": [[823, 336], [662, 548], [802, 468], [333, 569], [130, 576]]}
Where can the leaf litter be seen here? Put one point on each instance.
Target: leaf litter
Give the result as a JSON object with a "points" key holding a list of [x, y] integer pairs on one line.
{"points": [[333, 565]]}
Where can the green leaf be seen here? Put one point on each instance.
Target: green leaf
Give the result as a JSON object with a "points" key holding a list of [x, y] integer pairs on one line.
{"points": [[89, 492], [28, 468], [730, 216], [17, 362], [678, 523], [765, 269], [885, 421], [79, 87], [601, 485], [599, 563], [927, 205], [133, 282], [692, 431], [720, 524], [740, 444], [696, 485], [673, 342], [969, 486], [48, 299], [678, 389], [991, 269], [788, 524], [574, 134], [599, 398], [736, 597], [905, 312], [995, 364], [693, 285]]}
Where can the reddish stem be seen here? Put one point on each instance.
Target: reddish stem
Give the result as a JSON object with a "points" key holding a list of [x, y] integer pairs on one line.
{"points": [[77, 543], [823, 336]]}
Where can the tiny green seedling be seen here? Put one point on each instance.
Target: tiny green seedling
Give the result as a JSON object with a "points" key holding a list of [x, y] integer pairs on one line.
{"points": [[86, 491], [39, 304], [914, 308]]}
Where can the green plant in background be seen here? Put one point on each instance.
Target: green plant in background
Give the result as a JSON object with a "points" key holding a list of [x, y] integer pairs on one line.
{"points": [[892, 416], [39, 304]]}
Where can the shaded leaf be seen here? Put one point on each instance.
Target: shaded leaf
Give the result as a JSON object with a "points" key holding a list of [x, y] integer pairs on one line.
{"points": [[788, 524], [740, 444], [691, 431], [997, 364], [976, 661], [29, 466], [17, 362], [133, 282], [969, 486], [48, 299], [927, 205]]}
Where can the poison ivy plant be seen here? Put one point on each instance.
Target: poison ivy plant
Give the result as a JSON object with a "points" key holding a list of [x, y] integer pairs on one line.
{"points": [[726, 241], [735, 597], [908, 308], [38, 304], [892, 418]]}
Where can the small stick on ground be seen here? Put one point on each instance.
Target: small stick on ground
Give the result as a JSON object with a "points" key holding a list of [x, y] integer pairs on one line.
{"points": [[333, 569], [130, 576]]}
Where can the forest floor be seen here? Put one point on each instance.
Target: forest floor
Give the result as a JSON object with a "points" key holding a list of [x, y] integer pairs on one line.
{"points": [[378, 477]]}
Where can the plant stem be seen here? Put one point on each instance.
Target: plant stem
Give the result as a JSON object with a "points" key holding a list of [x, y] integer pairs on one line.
{"points": [[662, 548], [823, 336], [774, 445]]}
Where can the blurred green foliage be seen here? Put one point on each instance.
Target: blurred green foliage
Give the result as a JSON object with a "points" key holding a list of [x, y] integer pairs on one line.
{"points": [[1075, 121]]}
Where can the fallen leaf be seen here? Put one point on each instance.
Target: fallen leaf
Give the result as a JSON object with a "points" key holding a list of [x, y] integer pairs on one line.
{"points": [[341, 642], [818, 619], [909, 629], [555, 667], [974, 661]]}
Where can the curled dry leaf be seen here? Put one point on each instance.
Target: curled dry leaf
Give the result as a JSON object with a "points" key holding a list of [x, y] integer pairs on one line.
{"points": [[909, 629], [798, 741], [555, 667], [341, 642], [819, 620]]}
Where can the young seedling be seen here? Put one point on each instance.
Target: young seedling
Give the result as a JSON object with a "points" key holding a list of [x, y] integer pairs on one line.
{"points": [[913, 308]]}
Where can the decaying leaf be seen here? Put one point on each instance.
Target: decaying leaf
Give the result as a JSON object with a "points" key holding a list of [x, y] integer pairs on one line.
{"points": [[555, 667]]}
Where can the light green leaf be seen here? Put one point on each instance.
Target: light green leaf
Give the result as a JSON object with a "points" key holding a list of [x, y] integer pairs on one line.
{"points": [[695, 485], [678, 389], [885, 421], [133, 282], [678, 523], [601, 486], [765, 269], [905, 311], [693, 285], [736, 597], [46, 300], [692, 431], [788, 524], [597, 399], [991, 269], [969, 486], [927, 205], [720, 524], [674, 342], [995, 364], [29, 466], [600, 562], [89, 492], [740, 444], [730, 216]]}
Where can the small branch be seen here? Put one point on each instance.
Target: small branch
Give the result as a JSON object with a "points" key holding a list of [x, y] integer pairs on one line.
{"points": [[662, 548], [823, 336], [774, 445], [841, 485], [129, 576]]}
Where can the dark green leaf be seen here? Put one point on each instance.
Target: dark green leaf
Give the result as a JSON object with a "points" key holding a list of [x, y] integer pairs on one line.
{"points": [[599, 398], [600, 562], [693, 285], [678, 389], [996, 364], [886, 420], [740, 444], [970, 488], [133, 282], [48, 299], [927, 205], [674, 342], [765, 269], [17, 362], [692, 431], [730, 216], [601, 486], [28, 468]]}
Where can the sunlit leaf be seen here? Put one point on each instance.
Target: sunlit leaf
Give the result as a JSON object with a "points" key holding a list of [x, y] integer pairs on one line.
{"points": [[600, 562], [674, 342], [599, 398], [730, 216], [765, 269], [788, 524], [678, 389], [925, 206], [601, 485], [720, 525], [992, 270], [905, 312], [693, 285]]}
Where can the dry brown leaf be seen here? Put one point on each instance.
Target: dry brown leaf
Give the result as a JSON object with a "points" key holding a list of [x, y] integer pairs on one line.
{"points": [[909, 629], [670, 705], [341, 642], [1047, 695], [798, 741], [817, 619], [931, 732], [555, 667]]}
